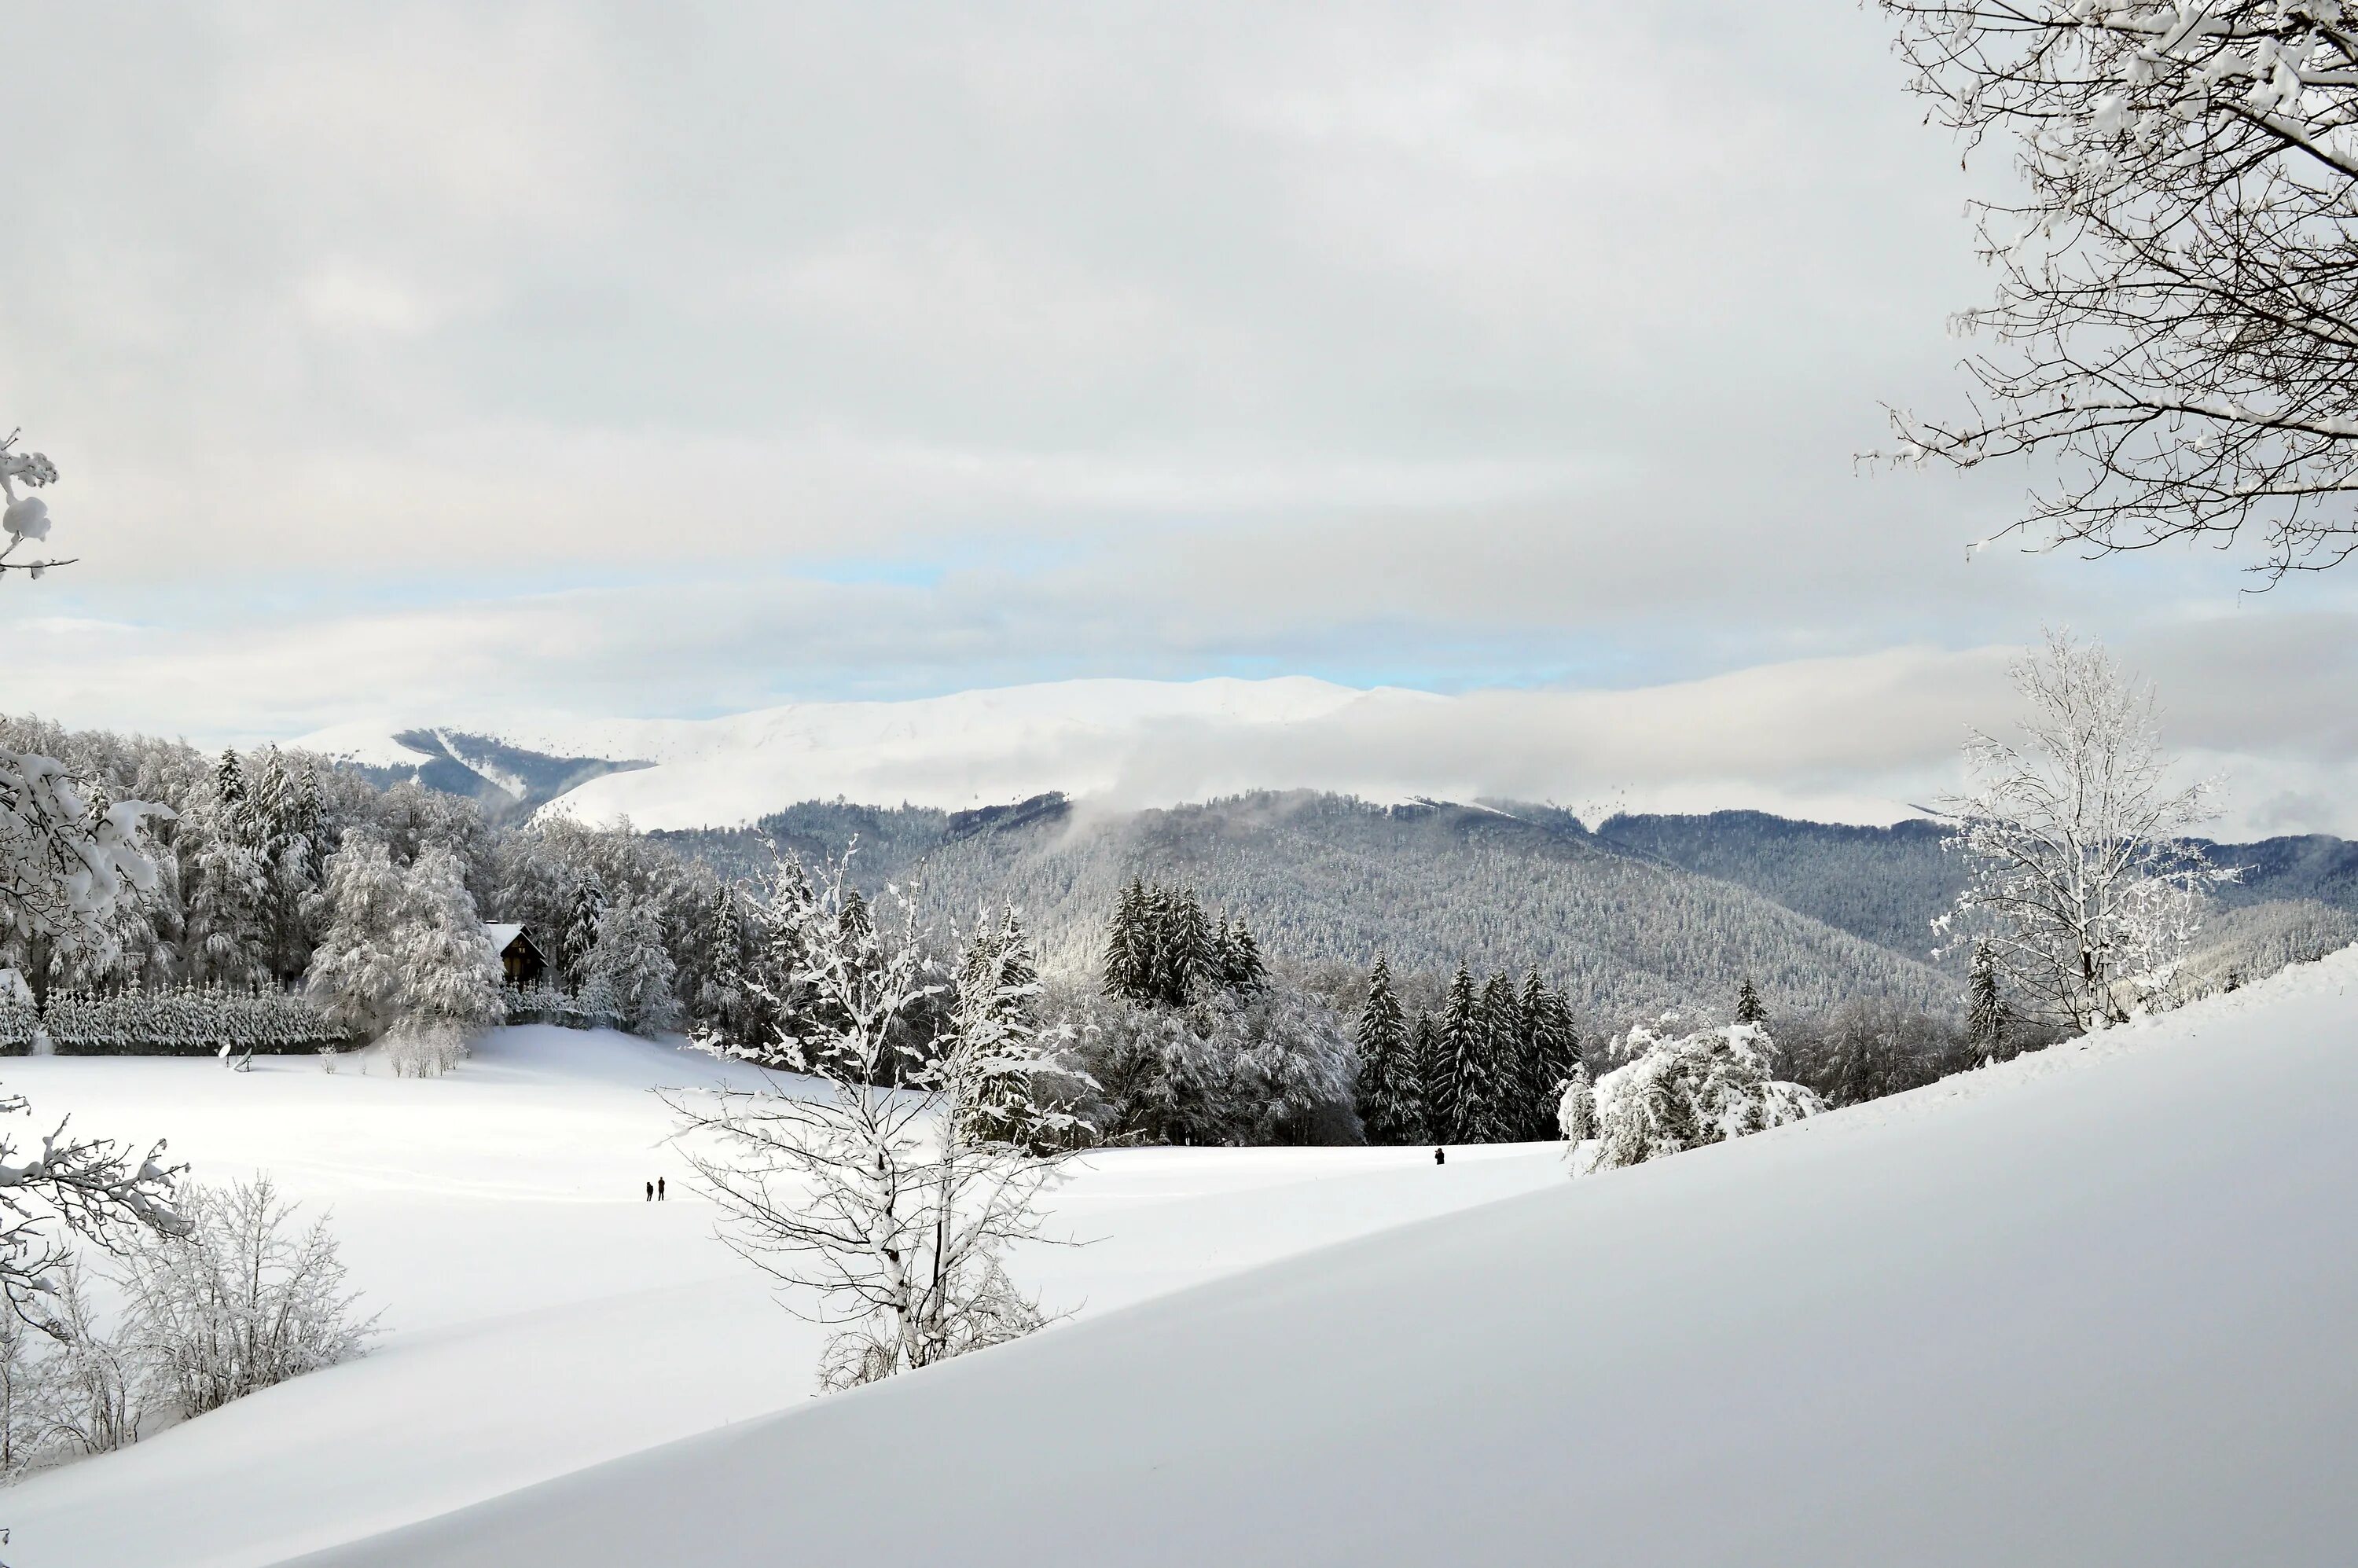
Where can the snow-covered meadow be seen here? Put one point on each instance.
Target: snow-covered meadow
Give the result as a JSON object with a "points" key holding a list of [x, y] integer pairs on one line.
{"points": [[541, 1315], [2087, 1306]]}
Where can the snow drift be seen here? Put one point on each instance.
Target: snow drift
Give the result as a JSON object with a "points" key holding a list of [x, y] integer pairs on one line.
{"points": [[2090, 1306]]}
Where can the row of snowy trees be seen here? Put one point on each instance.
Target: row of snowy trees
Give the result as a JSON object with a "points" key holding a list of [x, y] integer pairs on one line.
{"points": [[1489, 1069], [1164, 950], [170, 1020]]}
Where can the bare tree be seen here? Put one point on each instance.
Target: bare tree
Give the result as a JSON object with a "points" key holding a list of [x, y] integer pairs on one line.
{"points": [[2177, 308], [893, 1179], [2081, 881]]}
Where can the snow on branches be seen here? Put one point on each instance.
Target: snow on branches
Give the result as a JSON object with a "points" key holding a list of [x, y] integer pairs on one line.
{"points": [[25, 518], [1680, 1092], [2177, 299], [891, 1183], [2082, 887]]}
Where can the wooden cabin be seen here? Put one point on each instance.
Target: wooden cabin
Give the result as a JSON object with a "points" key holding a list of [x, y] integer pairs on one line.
{"points": [[523, 963]]}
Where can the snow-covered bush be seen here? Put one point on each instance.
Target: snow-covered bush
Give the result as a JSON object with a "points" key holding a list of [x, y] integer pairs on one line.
{"points": [[245, 1301], [422, 1047], [1685, 1091], [19, 1020], [98, 1396]]}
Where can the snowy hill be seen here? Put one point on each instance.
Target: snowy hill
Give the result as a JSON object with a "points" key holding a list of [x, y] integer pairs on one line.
{"points": [[2089, 1307]]}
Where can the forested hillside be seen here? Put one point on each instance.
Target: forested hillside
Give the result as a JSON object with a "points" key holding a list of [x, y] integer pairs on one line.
{"points": [[1646, 911], [1328, 879]]}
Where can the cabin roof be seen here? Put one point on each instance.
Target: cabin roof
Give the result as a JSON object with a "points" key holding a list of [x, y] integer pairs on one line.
{"points": [[503, 935]]}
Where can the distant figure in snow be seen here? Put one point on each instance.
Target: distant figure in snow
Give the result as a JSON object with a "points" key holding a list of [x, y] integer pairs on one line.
{"points": [[651, 1192], [1439, 1158], [659, 1189]]}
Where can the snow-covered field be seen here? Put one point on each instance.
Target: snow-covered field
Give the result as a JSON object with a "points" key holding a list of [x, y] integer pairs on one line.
{"points": [[542, 1317], [2093, 1306]]}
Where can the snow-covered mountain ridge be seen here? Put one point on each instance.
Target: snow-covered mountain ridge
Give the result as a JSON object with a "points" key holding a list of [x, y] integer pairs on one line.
{"points": [[1137, 741]]}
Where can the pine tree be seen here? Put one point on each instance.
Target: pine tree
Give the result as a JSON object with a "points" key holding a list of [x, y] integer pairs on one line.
{"points": [[1985, 1015], [1184, 954], [1130, 958], [993, 1019], [1389, 1093], [580, 938], [1246, 974], [1439, 1100], [1748, 1008], [1550, 1046], [1489, 1069], [1466, 1045]]}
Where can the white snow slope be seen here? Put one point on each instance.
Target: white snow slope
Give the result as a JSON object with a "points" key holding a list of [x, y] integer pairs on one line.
{"points": [[541, 1317], [2091, 1307]]}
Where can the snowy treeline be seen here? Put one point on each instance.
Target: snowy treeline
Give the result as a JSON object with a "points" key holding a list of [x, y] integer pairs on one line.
{"points": [[277, 868], [245, 1299], [182, 1019], [1487, 1068]]}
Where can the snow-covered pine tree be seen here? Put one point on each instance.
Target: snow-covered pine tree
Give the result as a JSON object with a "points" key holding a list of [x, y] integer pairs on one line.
{"points": [[1184, 962], [1436, 1076], [1748, 1006], [1130, 953], [584, 906], [1550, 1046], [1243, 969], [1390, 1089], [1489, 1072], [997, 1058], [1984, 1012], [1465, 1042], [358, 974]]}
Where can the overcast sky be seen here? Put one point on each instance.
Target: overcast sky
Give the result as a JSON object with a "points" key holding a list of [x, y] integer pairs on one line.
{"points": [[470, 362]]}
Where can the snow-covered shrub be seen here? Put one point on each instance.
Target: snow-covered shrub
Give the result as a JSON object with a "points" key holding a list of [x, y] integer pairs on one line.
{"points": [[97, 1393], [245, 1301], [1683, 1092], [424, 1047], [19, 1021], [1576, 1113], [185, 1021], [544, 1001]]}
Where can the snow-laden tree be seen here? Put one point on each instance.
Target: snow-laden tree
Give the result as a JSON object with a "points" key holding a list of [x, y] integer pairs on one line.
{"points": [[1389, 1091], [67, 860], [1680, 1092], [893, 1210], [2178, 275], [245, 1300], [2081, 878], [1985, 1008], [630, 971], [1576, 1114], [404, 947]]}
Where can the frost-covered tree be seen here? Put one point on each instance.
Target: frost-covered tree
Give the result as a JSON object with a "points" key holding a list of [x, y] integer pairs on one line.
{"points": [[1550, 1049], [2174, 262], [1680, 1092], [893, 1211], [630, 971], [1576, 1114], [998, 1057], [1984, 1010], [1466, 1045], [67, 861], [1436, 1075], [1749, 1009], [356, 975], [404, 948], [2081, 878], [1391, 1091], [245, 1301]]}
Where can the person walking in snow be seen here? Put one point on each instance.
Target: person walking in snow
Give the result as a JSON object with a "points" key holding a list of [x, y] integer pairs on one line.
{"points": [[659, 1189], [651, 1192], [1438, 1158]]}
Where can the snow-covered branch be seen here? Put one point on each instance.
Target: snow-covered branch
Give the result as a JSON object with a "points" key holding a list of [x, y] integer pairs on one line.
{"points": [[2177, 308]]}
